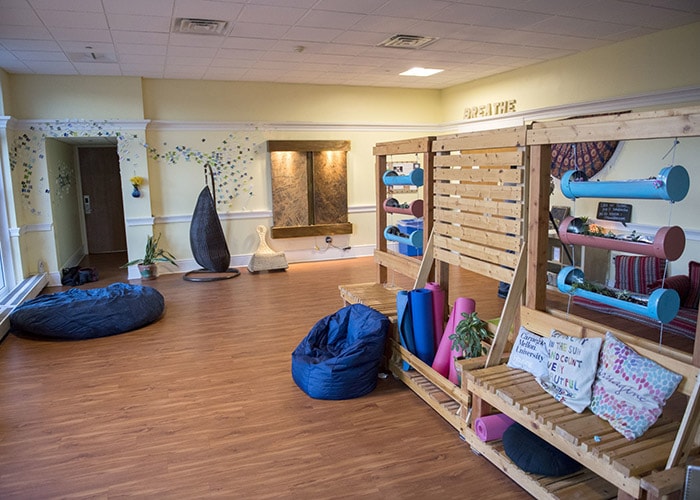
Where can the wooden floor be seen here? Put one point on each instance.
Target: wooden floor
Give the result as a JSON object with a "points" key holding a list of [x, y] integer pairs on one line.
{"points": [[202, 404]]}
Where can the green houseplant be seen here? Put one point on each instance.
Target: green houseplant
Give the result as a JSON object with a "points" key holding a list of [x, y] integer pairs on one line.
{"points": [[469, 335], [153, 254]]}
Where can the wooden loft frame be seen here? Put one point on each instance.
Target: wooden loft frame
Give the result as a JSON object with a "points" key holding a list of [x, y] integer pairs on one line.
{"points": [[664, 124]]}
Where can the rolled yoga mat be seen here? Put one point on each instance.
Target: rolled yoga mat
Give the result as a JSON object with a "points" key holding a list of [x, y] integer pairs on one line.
{"points": [[438, 311], [421, 301], [444, 358], [405, 323], [492, 427]]}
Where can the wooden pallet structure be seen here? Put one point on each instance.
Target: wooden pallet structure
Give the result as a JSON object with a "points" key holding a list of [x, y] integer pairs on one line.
{"points": [[474, 218], [650, 466]]}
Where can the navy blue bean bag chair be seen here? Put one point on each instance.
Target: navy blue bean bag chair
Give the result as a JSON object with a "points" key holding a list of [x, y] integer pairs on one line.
{"points": [[78, 314], [340, 357]]}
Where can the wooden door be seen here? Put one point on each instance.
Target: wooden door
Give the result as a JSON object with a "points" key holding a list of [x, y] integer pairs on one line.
{"points": [[102, 199]]}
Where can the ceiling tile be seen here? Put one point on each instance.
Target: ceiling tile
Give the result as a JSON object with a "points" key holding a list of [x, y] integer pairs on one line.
{"points": [[208, 9], [39, 55], [139, 7], [12, 44], [69, 19], [356, 6], [68, 5], [140, 37], [51, 68], [476, 38], [266, 14], [103, 69], [303, 33], [140, 49], [327, 19], [132, 22], [258, 30], [20, 17], [86, 35]]}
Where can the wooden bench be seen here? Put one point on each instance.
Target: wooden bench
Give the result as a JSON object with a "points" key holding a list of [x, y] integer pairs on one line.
{"points": [[614, 465]]}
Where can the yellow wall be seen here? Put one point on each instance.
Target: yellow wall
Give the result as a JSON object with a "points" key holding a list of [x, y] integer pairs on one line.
{"points": [[661, 61], [90, 98], [190, 100]]}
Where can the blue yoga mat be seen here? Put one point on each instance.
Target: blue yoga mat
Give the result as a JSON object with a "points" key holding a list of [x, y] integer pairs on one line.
{"points": [[405, 323], [421, 301]]}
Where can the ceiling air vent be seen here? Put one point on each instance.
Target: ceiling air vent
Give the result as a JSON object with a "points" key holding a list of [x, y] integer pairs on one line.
{"points": [[407, 41], [199, 26]]}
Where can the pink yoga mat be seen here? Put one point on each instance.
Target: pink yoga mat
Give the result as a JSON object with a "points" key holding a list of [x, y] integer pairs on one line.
{"points": [[438, 310], [491, 427], [444, 358]]}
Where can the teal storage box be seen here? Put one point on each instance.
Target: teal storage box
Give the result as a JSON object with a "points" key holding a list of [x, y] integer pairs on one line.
{"points": [[408, 226]]}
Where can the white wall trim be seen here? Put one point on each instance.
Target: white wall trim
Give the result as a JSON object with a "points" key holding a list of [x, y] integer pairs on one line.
{"points": [[30, 228], [140, 221], [362, 209], [292, 256], [186, 218]]}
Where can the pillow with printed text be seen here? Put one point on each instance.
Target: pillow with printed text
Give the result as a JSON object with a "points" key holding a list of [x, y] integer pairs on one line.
{"points": [[571, 369]]}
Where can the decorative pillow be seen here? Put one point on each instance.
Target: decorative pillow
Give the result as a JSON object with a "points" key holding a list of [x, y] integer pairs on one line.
{"points": [[571, 369], [529, 353], [694, 277], [535, 455], [630, 390], [635, 273], [680, 284]]}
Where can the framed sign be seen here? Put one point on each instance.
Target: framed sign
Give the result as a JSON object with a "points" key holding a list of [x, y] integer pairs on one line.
{"points": [[618, 212]]}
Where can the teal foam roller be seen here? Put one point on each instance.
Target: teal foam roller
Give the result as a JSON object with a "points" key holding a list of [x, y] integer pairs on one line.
{"points": [[392, 178], [415, 239]]}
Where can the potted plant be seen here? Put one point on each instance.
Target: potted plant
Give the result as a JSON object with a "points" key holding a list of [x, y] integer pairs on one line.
{"points": [[469, 335], [153, 254]]}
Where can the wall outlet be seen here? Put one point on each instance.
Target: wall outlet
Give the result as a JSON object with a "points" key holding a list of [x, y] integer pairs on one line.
{"points": [[41, 266]]}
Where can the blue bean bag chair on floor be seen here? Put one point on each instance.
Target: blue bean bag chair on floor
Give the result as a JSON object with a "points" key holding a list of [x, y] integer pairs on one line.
{"points": [[78, 314], [340, 357]]}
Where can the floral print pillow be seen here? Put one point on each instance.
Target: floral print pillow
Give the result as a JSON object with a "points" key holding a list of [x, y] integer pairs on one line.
{"points": [[630, 390]]}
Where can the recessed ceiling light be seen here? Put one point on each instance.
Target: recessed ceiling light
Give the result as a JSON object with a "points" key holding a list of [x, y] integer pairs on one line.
{"points": [[421, 72]]}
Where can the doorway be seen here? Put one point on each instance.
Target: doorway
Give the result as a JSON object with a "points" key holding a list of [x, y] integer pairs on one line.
{"points": [[100, 180]]}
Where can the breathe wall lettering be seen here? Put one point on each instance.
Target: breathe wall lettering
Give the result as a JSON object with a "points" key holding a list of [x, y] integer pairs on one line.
{"points": [[490, 109]]}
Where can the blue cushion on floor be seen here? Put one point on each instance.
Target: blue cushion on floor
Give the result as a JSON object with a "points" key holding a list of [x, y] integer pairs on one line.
{"points": [[535, 455], [340, 357], [77, 314]]}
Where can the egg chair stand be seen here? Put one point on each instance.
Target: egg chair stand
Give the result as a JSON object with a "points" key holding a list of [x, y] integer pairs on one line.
{"points": [[207, 239]]}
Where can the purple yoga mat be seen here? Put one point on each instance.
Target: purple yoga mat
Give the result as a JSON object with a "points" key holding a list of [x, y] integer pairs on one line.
{"points": [[438, 310], [491, 427], [444, 358]]}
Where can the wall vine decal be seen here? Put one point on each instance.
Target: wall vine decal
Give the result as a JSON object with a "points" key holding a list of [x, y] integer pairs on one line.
{"points": [[28, 147], [230, 162], [231, 159]]}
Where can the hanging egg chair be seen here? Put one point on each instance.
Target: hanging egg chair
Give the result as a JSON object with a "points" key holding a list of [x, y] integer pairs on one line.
{"points": [[207, 239]]}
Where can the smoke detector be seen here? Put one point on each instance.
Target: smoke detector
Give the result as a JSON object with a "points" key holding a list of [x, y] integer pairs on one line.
{"points": [[407, 41], [200, 26]]}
